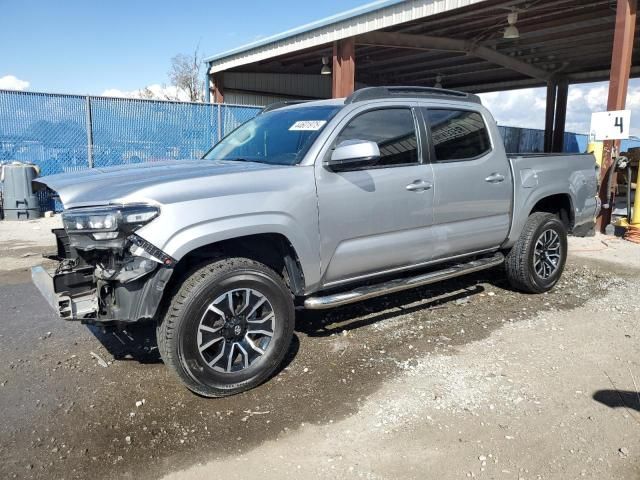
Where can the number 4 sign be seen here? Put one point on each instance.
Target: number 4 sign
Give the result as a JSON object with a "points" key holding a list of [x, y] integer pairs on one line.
{"points": [[611, 125]]}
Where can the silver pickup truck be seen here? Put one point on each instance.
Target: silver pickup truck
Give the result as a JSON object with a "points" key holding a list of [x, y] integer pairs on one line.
{"points": [[310, 205]]}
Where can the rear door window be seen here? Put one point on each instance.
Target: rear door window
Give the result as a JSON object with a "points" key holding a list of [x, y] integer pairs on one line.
{"points": [[457, 134]]}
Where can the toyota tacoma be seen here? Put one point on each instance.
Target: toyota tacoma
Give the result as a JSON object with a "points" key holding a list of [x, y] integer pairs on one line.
{"points": [[308, 205]]}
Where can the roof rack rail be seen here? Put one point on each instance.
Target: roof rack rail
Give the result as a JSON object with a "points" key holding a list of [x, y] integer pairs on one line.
{"points": [[285, 103], [373, 93]]}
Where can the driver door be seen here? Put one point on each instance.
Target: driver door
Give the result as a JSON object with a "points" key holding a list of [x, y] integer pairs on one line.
{"points": [[379, 217]]}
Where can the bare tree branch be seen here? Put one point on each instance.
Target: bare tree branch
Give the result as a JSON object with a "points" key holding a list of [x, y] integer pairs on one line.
{"points": [[185, 75]]}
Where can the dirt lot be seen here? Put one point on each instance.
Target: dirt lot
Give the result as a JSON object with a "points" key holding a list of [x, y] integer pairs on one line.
{"points": [[463, 379]]}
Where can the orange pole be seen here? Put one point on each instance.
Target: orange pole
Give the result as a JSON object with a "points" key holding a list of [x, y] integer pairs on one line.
{"points": [[344, 68], [618, 84]]}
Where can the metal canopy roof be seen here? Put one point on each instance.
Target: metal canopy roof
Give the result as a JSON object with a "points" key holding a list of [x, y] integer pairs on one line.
{"points": [[414, 42], [369, 17], [289, 35]]}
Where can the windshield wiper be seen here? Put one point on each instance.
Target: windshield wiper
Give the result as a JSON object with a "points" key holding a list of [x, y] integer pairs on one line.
{"points": [[240, 159]]}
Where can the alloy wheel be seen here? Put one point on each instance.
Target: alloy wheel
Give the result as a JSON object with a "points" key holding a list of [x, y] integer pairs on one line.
{"points": [[235, 330], [547, 254]]}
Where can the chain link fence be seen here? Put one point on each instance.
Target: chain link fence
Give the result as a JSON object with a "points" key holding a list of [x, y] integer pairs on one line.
{"points": [[67, 133]]}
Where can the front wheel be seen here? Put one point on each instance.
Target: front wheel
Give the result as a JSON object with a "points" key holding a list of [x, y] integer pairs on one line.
{"points": [[228, 327], [536, 261]]}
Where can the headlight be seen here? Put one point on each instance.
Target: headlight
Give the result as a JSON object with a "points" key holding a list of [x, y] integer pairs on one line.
{"points": [[105, 223]]}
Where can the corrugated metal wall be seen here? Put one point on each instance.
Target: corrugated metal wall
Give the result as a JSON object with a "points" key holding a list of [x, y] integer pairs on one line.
{"points": [[245, 98], [247, 88], [260, 89], [315, 86]]}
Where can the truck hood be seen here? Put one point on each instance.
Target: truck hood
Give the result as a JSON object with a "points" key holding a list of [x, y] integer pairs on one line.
{"points": [[113, 185]]}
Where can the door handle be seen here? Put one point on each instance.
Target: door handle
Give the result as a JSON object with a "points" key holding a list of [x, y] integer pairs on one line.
{"points": [[494, 178], [419, 186]]}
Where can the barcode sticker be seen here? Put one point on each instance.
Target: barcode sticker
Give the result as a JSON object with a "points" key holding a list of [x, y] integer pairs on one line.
{"points": [[308, 125]]}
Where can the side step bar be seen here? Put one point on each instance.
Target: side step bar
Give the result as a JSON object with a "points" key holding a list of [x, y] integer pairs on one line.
{"points": [[397, 285]]}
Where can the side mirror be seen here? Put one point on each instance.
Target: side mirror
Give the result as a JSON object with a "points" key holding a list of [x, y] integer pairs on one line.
{"points": [[353, 155]]}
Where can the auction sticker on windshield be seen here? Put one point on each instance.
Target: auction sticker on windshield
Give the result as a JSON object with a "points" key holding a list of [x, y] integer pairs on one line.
{"points": [[308, 125]]}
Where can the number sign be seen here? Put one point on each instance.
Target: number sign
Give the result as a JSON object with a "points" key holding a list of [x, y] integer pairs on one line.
{"points": [[611, 125]]}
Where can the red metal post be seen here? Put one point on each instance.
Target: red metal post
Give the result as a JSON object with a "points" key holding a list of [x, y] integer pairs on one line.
{"points": [[344, 67], [218, 87], [618, 85]]}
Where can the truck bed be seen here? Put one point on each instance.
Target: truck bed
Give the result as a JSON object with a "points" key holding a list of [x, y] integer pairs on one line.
{"points": [[540, 175]]}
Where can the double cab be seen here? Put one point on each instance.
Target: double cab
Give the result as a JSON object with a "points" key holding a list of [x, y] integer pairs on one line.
{"points": [[309, 205]]}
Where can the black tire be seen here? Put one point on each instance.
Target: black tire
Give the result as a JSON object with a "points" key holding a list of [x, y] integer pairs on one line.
{"points": [[521, 261], [180, 333]]}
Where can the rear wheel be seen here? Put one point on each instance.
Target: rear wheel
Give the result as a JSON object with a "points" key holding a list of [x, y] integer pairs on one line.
{"points": [[228, 327], [536, 261]]}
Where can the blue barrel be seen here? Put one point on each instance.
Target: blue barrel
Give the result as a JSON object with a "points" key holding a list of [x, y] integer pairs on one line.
{"points": [[18, 200]]}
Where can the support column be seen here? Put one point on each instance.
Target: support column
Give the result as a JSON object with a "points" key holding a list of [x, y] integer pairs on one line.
{"points": [[550, 116], [618, 84], [560, 117], [218, 87], [207, 87], [344, 67]]}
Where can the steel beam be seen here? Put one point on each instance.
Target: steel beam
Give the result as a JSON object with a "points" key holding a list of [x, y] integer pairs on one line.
{"points": [[218, 87], [512, 84], [496, 13], [344, 68], [483, 68], [560, 117], [599, 75], [425, 42], [623, 41], [552, 88], [621, 56]]}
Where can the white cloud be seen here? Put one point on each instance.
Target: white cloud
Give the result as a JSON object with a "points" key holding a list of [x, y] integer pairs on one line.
{"points": [[11, 82], [154, 91], [517, 108], [526, 108]]}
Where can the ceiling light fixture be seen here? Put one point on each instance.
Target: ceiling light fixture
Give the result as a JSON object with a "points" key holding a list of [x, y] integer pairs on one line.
{"points": [[438, 83], [512, 32], [326, 69]]}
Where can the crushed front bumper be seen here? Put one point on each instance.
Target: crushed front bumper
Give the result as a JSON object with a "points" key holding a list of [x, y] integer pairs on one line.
{"points": [[68, 305], [121, 292], [75, 296]]}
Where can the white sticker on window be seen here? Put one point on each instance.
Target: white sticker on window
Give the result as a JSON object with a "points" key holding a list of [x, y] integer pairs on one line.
{"points": [[308, 125]]}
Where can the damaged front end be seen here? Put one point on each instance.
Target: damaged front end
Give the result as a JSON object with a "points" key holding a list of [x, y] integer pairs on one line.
{"points": [[106, 273]]}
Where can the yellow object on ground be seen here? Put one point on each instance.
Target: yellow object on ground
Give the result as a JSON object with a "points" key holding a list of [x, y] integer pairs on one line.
{"points": [[635, 219], [597, 148], [633, 230]]}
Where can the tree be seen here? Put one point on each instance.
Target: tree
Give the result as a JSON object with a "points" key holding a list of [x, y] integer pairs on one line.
{"points": [[186, 76], [147, 93]]}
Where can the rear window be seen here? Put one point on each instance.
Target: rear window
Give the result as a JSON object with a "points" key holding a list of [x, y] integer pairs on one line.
{"points": [[457, 134]]}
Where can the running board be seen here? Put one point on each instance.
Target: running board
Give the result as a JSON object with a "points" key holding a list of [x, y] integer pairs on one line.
{"points": [[399, 284]]}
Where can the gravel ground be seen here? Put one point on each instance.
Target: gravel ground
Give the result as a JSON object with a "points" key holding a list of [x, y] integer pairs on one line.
{"points": [[462, 379], [23, 243]]}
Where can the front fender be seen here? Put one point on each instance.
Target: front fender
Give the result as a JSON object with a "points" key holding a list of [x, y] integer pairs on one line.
{"points": [[212, 209], [191, 237]]}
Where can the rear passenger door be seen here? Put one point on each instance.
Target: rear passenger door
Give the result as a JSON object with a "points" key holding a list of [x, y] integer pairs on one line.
{"points": [[472, 182]]}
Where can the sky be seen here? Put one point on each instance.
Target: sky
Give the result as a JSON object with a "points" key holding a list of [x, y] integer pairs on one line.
{"points": [[117, 47]]}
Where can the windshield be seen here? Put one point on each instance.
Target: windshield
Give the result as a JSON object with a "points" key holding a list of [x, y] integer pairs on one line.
{"points": [[279, 137]]}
